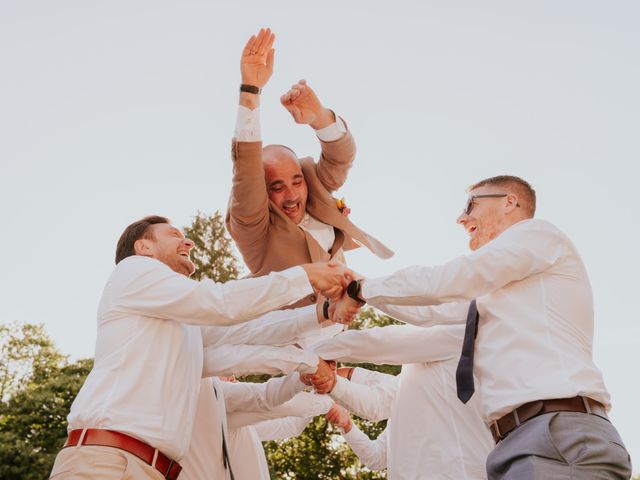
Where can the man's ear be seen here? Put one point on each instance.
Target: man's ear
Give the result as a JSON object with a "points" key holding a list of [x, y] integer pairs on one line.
{"points": [[510, 202], [142, 246]]}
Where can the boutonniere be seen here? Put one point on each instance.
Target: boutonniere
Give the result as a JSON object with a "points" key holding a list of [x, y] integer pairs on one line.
{"points": [[342, 207]]}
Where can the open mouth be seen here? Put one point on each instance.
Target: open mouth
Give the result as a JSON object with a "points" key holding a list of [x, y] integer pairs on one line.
{"points": [[291, 209], [183, 254], [472, 229]]}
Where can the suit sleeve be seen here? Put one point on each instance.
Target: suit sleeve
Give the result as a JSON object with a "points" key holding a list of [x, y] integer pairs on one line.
{"points": [[248, 210], [335, 161]]}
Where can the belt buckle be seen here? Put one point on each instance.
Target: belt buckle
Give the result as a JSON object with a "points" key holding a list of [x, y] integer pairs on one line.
{"points": [[166, 475]]}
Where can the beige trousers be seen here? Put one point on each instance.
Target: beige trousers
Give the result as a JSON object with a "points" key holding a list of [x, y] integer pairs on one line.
{"points": [[91, 462]]}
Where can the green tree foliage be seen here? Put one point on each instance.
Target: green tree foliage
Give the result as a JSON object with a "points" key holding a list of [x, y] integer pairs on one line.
{"points": [[213, 253], [25, 350], [42, 386]]}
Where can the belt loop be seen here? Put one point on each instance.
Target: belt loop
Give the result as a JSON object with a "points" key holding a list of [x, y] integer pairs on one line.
{"points": [[155, 458], [516, 417], [81, 440], [587, 407]]}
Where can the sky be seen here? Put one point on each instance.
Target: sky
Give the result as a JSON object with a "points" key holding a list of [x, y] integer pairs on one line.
{"points": [[110, 111]]}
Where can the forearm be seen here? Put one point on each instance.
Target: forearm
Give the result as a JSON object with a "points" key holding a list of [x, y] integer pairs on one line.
{"points": [[372, 453], [242, 360], [249, 396], [303, 405], [335, 161], [394, 344], [368, 402], [280, 327]]}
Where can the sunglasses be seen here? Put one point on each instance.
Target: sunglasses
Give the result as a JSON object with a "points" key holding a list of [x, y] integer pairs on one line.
{"points": [[470, 201]]}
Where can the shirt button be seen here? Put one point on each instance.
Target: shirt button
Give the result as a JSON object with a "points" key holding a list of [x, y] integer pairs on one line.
{"points": [[313, 298]]}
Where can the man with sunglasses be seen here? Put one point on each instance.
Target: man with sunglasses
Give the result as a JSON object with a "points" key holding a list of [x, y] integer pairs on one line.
{"points": [[530, 321]]}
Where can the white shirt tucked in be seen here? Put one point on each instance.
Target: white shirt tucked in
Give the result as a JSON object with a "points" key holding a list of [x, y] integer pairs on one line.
{"points": [[535, 336], [148, 362]]}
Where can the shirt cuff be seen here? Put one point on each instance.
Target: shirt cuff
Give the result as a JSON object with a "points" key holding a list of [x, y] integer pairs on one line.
{"points": [[339, 390], [354, 434], [248, 125], [332, 132]]}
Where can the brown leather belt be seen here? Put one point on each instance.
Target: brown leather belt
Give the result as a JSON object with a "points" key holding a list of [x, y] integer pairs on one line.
{"points": [[504, 425], [170, 469]]}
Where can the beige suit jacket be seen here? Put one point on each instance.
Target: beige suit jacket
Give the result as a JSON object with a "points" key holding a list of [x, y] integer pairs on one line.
{"points": [[267, 239]]}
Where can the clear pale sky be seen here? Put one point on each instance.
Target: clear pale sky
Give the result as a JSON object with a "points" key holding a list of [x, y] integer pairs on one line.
{"points": [[113, 110]]}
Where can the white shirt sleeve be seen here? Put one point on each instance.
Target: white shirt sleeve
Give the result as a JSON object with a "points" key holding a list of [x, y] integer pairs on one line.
{"points": [[523, 250], [281, 428], [394, 344], [242, 360], [372, 453], [304, 405], [248, 125], [373, 402], [332, 132], [249, 396], [281, 327], [365, 376], [423, 316], [145, 286]]}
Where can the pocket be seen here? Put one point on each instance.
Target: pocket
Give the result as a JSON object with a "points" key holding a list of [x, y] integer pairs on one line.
{"points": [[107, 462]]}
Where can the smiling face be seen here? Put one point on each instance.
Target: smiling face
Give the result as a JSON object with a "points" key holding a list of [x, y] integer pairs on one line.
{"points": [[168, 244], [489, 216], [285, 183]]}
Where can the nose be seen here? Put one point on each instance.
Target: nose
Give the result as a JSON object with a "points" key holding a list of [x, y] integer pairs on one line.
{"points": [[462, 218], [189, 243]]}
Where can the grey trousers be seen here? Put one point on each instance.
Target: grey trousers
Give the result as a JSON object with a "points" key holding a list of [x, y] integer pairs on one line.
{"points": [[559, 446]]}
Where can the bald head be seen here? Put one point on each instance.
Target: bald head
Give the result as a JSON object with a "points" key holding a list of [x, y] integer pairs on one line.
{"points": [[286, 185]]}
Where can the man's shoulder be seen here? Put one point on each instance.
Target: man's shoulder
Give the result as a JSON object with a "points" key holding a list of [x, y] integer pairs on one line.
{"points": [[137, 265]]}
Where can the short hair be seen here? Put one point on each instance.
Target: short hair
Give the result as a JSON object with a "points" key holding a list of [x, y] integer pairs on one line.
{"points": [[133, 233], [522, 188]]}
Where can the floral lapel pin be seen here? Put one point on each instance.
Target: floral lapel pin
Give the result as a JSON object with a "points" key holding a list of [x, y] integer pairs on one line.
{"points": [[342, 207]]}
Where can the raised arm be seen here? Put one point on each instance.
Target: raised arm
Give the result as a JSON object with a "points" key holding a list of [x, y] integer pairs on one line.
{"points": [[248, 211], [337, 144]]}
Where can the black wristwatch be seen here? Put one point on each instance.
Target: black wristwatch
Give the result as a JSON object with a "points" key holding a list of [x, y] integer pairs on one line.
{"points": [[353, 291]]}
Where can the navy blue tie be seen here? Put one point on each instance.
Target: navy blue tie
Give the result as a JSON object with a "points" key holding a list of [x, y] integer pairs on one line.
{"points": [[464, 372]]}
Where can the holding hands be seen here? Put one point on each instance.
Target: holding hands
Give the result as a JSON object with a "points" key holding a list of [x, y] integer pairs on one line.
{"points": [[339, 417]]}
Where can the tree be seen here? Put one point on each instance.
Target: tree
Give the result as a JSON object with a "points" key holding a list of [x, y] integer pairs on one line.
{"points": [[39, 388], [213, 253], [25, 349]]}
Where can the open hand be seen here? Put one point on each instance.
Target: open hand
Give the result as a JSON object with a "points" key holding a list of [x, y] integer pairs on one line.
{"points": [[256, 63]]}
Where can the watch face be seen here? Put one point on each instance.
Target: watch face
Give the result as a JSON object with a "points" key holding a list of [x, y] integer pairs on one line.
{"points": [[352, 289]]}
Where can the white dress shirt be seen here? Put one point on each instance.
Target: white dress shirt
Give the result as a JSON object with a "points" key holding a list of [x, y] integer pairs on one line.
{"points": [[148, 361], [535, 335], [430, 433]]}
